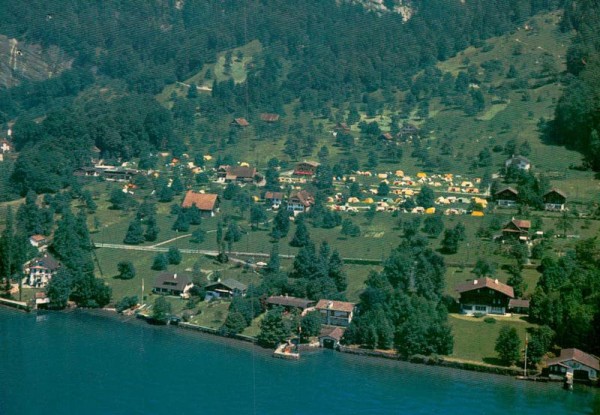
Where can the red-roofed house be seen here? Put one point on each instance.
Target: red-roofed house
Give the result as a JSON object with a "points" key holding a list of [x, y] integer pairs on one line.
{"points": [[517, 229], [484, 296], [335, 313], [330, 336], [580, 364], [241, 122], [208, 203]]}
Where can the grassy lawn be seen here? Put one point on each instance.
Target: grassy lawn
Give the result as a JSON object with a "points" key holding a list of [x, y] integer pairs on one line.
{"points": [[475, 339], [212, 314]]}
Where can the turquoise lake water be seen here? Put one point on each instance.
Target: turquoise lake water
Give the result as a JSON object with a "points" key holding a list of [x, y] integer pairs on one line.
{"points": [[77, 363]]}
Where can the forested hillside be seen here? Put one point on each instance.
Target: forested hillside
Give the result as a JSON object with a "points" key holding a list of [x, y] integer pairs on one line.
{"points": [[577, 118], [318, 54]]}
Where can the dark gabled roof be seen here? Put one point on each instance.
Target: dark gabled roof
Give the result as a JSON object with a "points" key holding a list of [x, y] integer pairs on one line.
{"points": [[172, 281], [242, 122], [486, 283], [578, 355], [286, 301], [229, 283], [335, 305], [557, 191], [246, 172], [303, 197], [518, 303], [507, 189], [47, 261]]}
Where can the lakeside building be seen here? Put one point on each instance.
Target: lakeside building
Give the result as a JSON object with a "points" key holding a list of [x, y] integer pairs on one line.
{"points": [[172, 284], [581, 365], [330, 336], [485, 296], [335, 313], [208, 203], [40, 270], [291, 303], [227, 288]]}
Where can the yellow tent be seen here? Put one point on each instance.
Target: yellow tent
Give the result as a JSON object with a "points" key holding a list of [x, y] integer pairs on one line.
{"points": [[382, 176], [430, 211], [353, 200], [244, 164], [399, 173], [421, 175], [368, 200], [207, 157], [256, 198], [477, 213]]}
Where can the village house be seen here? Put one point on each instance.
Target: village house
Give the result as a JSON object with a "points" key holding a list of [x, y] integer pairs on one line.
{"points": [[5, 146], [38, 241], [518, 306], [408, 132], [507, 197], [554, 200], [300, 201], [335, 313], [118, 174], [581, 365], [40, 270], [240, 174], [172, 284], [87, 171], [274, 198], [268, 117], [484, 296], [240, 122], [518, 162], [517, 229], [330, 336], [208, 203], [290, 303], [386, 137], [306, 168], [227, 288]]}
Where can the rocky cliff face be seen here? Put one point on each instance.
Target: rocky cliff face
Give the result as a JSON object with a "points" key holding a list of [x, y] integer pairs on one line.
{"points": [[19, 61], [402, 7]]}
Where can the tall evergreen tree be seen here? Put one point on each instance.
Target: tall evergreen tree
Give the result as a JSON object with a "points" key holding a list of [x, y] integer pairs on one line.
{"points": [[135, 233]]}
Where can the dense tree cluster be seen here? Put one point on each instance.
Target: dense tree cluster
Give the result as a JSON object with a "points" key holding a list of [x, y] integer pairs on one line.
{"points": [[576, 122], [401, 306], [566, 296]]}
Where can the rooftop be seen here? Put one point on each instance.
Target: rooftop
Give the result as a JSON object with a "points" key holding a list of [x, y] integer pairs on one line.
{"points": [[203, 201], [286, 301], [486, 283], [335, 305], [577, 355]]}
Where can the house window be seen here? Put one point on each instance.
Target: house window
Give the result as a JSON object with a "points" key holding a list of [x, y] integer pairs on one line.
{"points": [[480, 308], [467, 307]]}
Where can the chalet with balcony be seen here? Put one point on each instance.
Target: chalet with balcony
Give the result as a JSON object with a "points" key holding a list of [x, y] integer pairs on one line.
{"points": [[306, 168], [554, 200], [517, 229], [335, 313], [208, 203], [300, 201], [507, 197], [40, 270], [484, 296], [581, 365], [173, 284], [227, 288]]}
